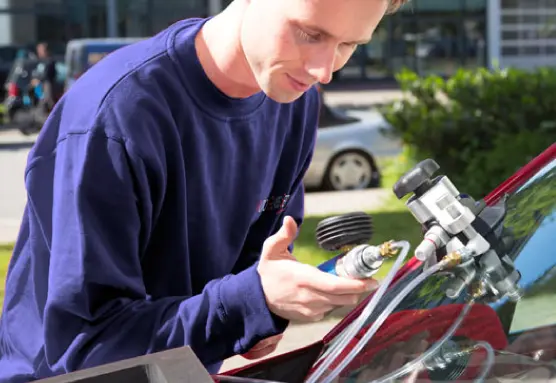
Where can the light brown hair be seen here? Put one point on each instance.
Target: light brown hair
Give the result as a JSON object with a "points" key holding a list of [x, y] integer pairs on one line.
{"points": [[394, 5]]}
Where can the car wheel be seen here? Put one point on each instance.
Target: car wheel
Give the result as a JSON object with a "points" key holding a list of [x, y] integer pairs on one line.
{"points": [[351, 170], [25, 120]]}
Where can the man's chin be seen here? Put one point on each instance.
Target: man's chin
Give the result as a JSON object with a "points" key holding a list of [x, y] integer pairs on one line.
{"points": [[283, 97]]}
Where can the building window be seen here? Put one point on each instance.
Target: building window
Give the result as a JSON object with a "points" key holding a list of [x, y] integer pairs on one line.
{"points": [[427, 36], [528, 28], [54, 21]]}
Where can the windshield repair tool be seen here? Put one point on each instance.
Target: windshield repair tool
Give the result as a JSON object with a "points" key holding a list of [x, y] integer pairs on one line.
{"points": [[349, 234], [450, 261], [335, 350], [464, 235], [455, 222]]}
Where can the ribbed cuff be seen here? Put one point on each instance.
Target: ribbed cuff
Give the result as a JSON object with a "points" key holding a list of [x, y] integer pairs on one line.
{"points": [[246, 310]]}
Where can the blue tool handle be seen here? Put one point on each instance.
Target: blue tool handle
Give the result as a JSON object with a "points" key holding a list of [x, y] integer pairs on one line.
{"points": [[330, 265]]}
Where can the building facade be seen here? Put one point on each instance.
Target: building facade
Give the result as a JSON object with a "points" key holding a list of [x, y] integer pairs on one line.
{"points": [[429, 36], [523, 33], [29, 21]]}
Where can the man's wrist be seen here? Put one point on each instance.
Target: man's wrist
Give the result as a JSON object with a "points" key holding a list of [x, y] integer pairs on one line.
{"points": [[245, 307]]}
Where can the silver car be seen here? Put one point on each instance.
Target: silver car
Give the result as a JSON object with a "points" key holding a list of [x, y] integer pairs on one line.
{"points": [[347, 148]]}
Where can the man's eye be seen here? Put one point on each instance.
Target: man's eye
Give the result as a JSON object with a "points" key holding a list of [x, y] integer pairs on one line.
{"points": [[308, 37], [351, 46]]}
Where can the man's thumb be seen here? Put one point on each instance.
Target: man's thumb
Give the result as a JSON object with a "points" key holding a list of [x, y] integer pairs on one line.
{"points": [[286, 235]]}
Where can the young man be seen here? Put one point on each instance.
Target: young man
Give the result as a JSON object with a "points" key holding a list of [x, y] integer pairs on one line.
{"points": [[165, 192], [51, 89]]}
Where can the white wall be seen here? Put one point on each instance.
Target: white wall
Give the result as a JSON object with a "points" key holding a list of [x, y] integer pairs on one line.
{"points": [[493, 33], [17, 28], [214, 6], [528, 35], [5, 24]]}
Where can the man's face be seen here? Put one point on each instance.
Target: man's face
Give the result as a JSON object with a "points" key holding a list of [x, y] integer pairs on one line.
{"points": [[41, 50], [292, 44]]}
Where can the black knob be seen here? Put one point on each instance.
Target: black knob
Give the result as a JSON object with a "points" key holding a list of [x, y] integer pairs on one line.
{"points": [[349, 229], [417, 179]]}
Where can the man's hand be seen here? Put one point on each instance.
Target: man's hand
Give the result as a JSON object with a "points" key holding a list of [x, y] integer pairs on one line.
{"points": [[297, 291], [263, 348]]}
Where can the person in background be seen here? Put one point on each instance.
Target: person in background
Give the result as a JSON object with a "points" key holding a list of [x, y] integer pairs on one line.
{"points": [[165, 192], [48, 81]]}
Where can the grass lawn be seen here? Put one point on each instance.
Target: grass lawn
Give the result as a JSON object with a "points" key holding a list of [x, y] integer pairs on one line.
{"points": [[2, 113], [390, 222], [5, 253]]}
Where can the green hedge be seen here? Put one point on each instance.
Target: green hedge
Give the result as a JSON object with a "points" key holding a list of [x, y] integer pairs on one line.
{"points": [[479, 125]]}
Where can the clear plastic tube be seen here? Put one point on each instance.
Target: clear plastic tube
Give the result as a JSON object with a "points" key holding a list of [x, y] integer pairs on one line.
{"points": [[238, 379], [419, 361], [340, 338], [488, 362], [359, 323], [378, 322]]}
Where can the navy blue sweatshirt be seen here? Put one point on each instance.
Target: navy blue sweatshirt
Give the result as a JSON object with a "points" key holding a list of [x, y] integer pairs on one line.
{"points": [[150, 196]]}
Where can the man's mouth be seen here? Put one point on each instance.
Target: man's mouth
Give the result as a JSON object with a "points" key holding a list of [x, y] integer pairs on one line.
{"points": [[298, 85]]}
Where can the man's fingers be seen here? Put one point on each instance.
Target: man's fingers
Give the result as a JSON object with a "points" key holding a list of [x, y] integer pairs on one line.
{"points": [[332, 284], [319, 298], [314, 305], [283, 237]]}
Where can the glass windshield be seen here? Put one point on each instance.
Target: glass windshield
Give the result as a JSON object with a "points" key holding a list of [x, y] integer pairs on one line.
{"points": [[499, 339]]}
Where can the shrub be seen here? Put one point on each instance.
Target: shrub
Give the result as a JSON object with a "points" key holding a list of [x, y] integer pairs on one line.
{"points": [[479, 125]]}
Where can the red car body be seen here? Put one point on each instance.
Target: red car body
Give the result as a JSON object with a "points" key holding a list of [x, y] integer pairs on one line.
{"points": [[482, 322]]}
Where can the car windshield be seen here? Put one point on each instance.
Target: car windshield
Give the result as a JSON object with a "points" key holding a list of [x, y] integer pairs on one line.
{"points": [[497, 338]]}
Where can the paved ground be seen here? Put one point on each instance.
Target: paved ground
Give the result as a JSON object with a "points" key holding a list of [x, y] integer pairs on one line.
{"points": [[322, 203], [361, 99], [295, 337], [13, 156]]}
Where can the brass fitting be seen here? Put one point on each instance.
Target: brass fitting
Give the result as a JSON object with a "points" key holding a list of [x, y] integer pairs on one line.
{"points": [[346, 248], [478, 290], [457, 257], [387, 250], [452, 259]]}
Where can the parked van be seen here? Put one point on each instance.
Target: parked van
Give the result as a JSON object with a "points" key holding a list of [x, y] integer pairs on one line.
{"points": [[81, 54]]}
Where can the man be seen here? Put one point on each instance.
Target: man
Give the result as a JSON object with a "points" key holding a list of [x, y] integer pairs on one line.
{"points": [[144, 229], [48, 78]]}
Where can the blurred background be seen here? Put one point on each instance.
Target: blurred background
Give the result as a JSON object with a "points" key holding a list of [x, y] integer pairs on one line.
{"points": [[470, 83], [429, 36], [466, 82]]}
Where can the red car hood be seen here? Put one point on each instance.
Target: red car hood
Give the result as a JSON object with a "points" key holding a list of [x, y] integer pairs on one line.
{"points": [[403, 325]]}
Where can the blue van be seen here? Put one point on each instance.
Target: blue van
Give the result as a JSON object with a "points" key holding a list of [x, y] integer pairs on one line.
{"points": [[81, 54]]}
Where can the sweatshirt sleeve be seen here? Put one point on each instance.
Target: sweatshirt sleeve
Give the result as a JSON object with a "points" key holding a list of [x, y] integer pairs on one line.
{"points": [[97, 309]]}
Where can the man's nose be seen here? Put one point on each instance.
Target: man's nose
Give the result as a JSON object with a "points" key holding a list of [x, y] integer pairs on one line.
{"points": [[321, 66]]}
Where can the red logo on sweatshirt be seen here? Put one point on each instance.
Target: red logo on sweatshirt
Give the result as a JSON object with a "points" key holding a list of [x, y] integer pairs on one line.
{"points": [[277, 204]]}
